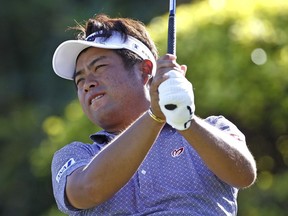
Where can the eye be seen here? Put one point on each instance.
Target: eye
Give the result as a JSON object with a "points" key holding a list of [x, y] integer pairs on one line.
{"points": [[79, 78], [78, 81], [97, 67]]}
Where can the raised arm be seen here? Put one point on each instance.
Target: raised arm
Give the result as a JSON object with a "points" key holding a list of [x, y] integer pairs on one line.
{"points": [[226, 155], [112, 168]]}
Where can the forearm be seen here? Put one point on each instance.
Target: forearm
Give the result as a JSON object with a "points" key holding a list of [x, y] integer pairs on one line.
{"points": [[224, 155], [114, 166]]}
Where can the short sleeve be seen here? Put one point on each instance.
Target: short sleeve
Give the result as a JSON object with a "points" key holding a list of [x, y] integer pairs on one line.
{"points": [[65, 161], [225, 125]]}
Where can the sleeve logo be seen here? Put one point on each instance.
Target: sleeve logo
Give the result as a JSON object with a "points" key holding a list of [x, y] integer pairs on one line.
{"points": [[237, 137], [69, 163]]}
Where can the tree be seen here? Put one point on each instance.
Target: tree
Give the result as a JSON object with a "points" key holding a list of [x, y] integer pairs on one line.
{"points": [[237, 59]]}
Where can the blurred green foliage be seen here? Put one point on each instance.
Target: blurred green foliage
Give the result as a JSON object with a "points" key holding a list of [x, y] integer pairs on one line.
{"points": [[237, 58]]}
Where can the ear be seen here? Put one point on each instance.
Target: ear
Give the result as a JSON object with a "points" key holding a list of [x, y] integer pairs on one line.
{"points": [[146, 69]]}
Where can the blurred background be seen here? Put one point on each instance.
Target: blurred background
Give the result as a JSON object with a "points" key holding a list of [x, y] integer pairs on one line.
{"points": [[237, 57]]}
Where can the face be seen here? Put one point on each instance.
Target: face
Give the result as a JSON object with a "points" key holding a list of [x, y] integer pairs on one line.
{"points": [[111, 96]]}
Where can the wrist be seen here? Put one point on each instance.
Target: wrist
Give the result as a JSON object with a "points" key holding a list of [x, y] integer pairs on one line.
{"points": [[154, 117]]}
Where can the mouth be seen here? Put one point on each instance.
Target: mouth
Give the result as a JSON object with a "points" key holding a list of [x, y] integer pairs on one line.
{"points": [[95, 99]]}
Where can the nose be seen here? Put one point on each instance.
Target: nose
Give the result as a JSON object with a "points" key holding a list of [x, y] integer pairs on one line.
{"points": [[90, 83]]}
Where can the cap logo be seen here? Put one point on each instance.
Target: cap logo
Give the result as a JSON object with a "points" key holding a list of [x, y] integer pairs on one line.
{"points": [[135, 46], [93, 36]]}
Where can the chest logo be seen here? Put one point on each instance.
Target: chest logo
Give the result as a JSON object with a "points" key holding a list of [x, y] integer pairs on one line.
{"points": [[177, 152]]}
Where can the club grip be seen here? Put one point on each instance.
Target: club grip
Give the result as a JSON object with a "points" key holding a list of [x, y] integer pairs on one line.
{"points": [[172, 35]]}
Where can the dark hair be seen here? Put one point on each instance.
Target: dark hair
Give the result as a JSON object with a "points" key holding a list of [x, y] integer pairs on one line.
{"points": [[125, 26]]}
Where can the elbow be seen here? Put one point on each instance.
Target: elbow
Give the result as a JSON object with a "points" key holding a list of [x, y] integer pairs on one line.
{"points": [[247, 173], [248, 181], [247, 178], [88, 198], [84, 196]]}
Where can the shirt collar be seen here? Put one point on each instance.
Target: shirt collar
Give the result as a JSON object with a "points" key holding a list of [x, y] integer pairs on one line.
{"points": [[102, 137]]}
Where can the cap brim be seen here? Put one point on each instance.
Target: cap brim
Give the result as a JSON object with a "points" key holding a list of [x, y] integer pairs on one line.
{"points": [[65, 56]]}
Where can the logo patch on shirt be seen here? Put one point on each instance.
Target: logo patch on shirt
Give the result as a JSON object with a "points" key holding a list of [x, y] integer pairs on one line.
{"points": [[69, 163], [177, 152]]}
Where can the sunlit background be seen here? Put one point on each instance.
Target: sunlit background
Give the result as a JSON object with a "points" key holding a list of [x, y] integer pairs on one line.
{"points": [[237, 57]]}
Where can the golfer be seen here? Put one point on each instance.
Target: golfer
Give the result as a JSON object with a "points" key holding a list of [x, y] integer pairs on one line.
{"points": [[154, 156]]}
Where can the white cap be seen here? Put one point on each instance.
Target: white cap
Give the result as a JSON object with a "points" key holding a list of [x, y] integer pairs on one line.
{"points": [[65, 56]]}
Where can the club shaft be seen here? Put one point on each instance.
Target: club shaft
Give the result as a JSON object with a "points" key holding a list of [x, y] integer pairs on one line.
{"points": [[172, 28]]}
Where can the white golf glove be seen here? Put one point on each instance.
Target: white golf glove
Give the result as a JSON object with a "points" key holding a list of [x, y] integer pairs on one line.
{"points": [[176, 100]]}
